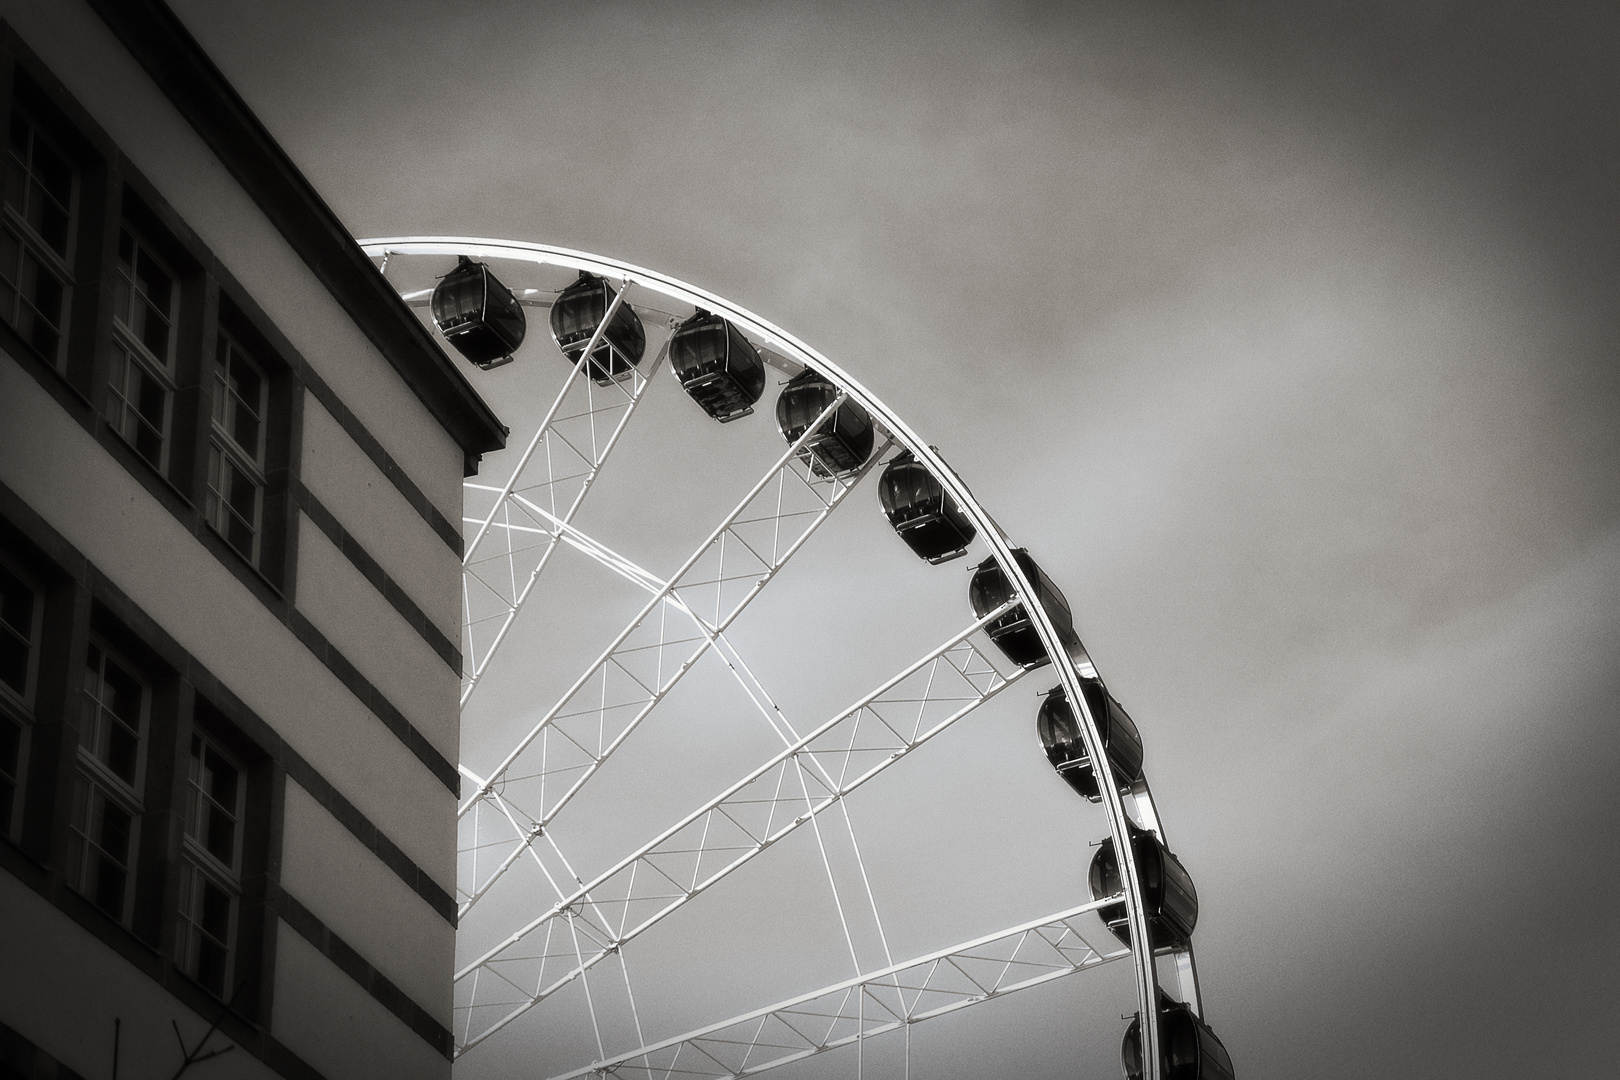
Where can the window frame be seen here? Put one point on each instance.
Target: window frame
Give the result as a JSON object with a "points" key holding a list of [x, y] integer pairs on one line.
{"points": [[18, 710], [225, 450], [130, 353], [14, 221], [199, 867], [91, 776]]}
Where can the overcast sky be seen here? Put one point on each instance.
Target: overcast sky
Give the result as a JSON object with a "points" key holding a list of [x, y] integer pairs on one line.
{"points": [[1287, 342]]}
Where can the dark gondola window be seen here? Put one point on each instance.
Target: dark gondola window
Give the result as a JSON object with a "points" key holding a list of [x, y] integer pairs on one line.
{"points": [[1168, 895], [839, 446], [921, 512], [1059, 730], [1014, 633], [1188, 1049], [478, 314], [717, 366], [575, 315]]}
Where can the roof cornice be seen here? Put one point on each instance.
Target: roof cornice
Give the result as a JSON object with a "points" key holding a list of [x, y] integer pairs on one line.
{"points": [[162, 45]]}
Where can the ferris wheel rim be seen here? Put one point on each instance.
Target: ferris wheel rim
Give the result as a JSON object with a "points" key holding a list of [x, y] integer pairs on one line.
{"points": [[1001, 547]]}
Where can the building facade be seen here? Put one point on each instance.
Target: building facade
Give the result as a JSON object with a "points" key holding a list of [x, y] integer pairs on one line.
{"points": [[230, 494]]}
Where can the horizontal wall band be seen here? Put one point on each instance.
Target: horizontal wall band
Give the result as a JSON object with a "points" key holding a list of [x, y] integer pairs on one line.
{"points": [[273, 601], [356, 967], [74, 565], [443, 527], [373, 699], [372, 571], [35, 1063]]}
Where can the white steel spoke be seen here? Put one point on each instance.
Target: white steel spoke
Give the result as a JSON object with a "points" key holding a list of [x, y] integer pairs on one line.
{"points": [[866, 1006], [693, 855], [572, 740], [510, 546]]}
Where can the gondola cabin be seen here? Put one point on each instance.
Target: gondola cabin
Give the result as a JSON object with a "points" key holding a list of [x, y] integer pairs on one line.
{"points": [[575, 315], [1168, 895], [927, 519], [1014, 633], [1188, 1049], [1059, 729], [839, 446], [718, 367], [478, 315]]}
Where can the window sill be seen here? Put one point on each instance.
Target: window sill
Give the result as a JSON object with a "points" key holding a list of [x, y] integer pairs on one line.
{"points": [[248, 573], [131, 459], [48, 375]]}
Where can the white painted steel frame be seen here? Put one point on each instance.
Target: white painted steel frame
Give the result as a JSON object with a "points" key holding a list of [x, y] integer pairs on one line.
{"points": [[609, 939], [664, 593], [994, 538], [476, 662], [798, 1014]]}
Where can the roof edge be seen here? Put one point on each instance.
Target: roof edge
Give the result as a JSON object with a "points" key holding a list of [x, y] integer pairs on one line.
{"points": [[196, 87]]}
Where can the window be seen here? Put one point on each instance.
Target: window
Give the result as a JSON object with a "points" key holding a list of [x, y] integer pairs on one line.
{"points": [[211, 868], [235, 501], [36, 238], [107, 789], [142, 377], [21, 610]]}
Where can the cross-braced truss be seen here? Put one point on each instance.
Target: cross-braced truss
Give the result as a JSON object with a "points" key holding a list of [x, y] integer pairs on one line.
{"points": [[680, 623], [514, 526], [871, 1005], [519, 526], [813, 774]]}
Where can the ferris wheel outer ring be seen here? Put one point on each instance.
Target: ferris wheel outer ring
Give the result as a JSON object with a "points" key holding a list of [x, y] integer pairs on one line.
{"points": [[995, 539]]}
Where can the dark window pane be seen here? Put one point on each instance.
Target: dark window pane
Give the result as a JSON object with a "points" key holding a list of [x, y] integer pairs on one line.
{"points": [[223, 778], [16, 181], [10, 743], [150, 399], [153, 282], [55, 174], [123, 695], [243, 493], [155, 330], [221, 836], [122, 748], [109, 896], [149, 444], [19, 136], [216, 911], [121, 295], [211, 967], [240, 537], [44, 339], [47, 295], [247, 431], [10, 758], [17, 617], [115, 830], [126, 248], [245, 381], [14, 663], [51, 221], [16, 603]]}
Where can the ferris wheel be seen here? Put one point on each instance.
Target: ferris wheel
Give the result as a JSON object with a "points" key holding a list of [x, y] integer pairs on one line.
{"points": [[686, 671]]}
